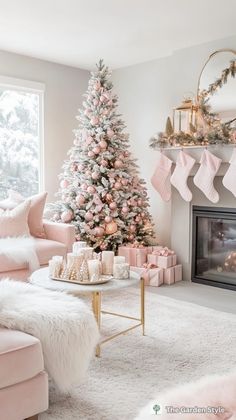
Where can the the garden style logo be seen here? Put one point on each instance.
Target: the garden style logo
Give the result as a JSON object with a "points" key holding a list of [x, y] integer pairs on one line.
{"points": [[157, 409]]}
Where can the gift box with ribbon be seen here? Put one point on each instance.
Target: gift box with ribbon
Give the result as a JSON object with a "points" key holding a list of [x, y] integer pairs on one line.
{"points": [[134, 256], [163, 257]]}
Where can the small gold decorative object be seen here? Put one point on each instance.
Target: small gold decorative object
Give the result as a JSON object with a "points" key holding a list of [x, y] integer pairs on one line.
{"points": [[185, 116]]}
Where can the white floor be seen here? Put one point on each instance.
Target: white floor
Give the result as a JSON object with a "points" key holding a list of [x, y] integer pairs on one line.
{"points": [[208, 296]]}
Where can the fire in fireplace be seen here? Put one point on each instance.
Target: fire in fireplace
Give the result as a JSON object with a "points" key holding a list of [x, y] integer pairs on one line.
{"points": [[214, 246]]}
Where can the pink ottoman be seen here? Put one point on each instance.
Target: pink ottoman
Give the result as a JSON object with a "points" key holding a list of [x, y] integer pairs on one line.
{"points": [[23, 382]]}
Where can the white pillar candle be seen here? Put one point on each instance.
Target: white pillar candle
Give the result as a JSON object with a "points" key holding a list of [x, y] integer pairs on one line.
{"points": [[119, 260], [94, 270], [121, 271], [78, 245], [86, 252], [58, 258], [107, 262]]}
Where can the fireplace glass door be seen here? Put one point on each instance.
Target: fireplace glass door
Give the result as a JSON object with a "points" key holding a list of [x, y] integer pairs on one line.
{"points": [[214, 246]]}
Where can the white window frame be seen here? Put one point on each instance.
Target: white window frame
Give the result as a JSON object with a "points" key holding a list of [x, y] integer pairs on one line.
{"points": [[10, 83]]}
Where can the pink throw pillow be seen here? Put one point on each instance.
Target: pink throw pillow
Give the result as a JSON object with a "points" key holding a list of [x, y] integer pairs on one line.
{"points": [[35, 219], [15, 222]]}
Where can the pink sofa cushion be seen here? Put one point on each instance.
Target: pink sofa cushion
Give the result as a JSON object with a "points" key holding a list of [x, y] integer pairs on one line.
{"points": [[25, 399], [21, 357], [45, 250]]}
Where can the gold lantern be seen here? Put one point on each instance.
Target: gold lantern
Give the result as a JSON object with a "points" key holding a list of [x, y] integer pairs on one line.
{"points": [[185, 116]]}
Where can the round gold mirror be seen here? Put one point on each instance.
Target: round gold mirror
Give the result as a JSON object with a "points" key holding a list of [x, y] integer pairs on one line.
{"points": [[217, 87]]}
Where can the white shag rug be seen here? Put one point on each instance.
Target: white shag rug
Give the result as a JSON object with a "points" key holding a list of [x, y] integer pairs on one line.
{"points": [[65, 326], [21, 250], [184, 342]]}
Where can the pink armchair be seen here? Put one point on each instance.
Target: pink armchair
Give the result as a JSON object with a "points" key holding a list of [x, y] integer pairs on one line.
{"points": [[59, 240], [23, 382]]}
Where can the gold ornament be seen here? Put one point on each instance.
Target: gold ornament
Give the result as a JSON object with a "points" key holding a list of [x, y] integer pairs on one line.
{"points": [[111, 228]]}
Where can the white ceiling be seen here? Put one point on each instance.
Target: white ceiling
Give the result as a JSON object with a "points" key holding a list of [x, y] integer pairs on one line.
{"points": [[123, 32]]}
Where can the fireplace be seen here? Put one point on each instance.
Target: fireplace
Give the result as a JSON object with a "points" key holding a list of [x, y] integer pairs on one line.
{"points": [[214, 246]]}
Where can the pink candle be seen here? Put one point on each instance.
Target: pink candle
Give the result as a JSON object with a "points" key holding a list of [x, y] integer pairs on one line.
{"points": [[107, 262]]}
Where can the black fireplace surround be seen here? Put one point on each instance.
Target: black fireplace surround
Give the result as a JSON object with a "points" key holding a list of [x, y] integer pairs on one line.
{"points": [[214, 246]]}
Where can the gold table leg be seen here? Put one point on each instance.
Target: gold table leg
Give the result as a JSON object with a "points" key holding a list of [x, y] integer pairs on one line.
{"points": [[142, 287], [96, 303]]}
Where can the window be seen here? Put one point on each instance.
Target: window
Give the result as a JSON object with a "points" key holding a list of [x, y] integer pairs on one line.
{"points": [[20, 137]]}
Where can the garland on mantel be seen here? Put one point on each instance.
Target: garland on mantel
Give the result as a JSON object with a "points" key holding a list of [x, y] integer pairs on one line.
{"points": [[210, 130]]}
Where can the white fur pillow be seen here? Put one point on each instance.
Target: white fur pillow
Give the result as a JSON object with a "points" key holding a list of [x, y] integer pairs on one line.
{"points": [[15, 222]]}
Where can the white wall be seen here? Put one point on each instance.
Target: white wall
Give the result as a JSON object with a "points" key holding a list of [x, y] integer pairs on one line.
{"points": [[64, 87], [147, 94]]}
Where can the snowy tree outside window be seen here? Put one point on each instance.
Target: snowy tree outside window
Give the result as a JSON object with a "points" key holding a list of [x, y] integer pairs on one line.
{"points": [[19, 142]]}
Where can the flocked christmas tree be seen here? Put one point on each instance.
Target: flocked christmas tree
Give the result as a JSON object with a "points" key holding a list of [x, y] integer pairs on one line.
{"points": [[101, 192]]}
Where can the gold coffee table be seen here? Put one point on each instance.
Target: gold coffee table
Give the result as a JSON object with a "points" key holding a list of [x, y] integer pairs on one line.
{"points": [[41, 278]]}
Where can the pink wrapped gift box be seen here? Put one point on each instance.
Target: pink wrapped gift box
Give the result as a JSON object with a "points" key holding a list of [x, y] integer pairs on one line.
{"points": [[169, 275], [152, 259], [178, 272], [143, 272], [134, 256], [166, 262], [156, 277]]}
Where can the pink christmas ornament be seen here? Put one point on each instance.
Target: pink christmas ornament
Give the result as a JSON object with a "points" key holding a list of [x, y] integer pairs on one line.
{"points": [[103, 144], [104, 162], [89, 216], [80, 167], [96, 150], [102, 98], [117, 185], [94, 120], [118, 164], [95, 102], [140, 202], [78, 237], [109, 197], [110, 133], [99, 231], [88, 172], [87, 112], [111, 228], [95, 175], [131, 237], [84, 187], [91, 189], [125, 209], [103, 246], [64, 183], [124, 181], [126, 153], [91, 154], [89, 140], [132, 228], [66, 216], [108, 219], [112, 205], [80, 199]]}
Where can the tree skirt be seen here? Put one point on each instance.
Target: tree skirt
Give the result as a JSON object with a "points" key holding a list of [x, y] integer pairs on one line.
{"points": [[184, 342], [64, 324]]}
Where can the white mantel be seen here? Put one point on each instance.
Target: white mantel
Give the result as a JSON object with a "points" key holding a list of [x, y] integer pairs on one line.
{"points": [[181, 211], [223, 152]]}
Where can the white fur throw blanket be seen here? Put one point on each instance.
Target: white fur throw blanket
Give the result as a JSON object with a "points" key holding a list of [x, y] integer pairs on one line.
{"points": [[20, 250], [64, 324], [215, 393]]}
